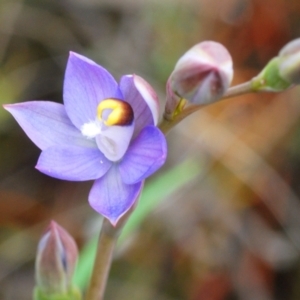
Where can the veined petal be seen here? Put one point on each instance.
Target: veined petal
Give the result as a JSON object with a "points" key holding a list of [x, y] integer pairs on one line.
{"points": [[86, 84], [144, 156], [113, 141], [143, 100], [73, 163], [47, 124], [111, 197]]}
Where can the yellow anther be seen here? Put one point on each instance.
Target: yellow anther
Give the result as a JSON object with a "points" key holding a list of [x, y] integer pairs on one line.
{"points": [[115, 112]]}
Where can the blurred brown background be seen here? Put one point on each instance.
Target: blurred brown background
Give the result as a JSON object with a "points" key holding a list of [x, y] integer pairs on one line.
{"points": [[234, 231]]}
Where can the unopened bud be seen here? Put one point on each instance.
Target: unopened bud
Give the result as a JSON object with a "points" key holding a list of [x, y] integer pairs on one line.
{"points": [[282, 72], [55, 264], [269, 79], [289, 67], [202, 75]]}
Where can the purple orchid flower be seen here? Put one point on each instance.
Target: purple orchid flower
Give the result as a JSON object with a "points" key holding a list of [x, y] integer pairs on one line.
{"points": [[104, 132]]}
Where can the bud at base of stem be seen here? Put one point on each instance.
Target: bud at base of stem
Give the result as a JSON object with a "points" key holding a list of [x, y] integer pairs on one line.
{"points": [[72, 294], [55, 263]]}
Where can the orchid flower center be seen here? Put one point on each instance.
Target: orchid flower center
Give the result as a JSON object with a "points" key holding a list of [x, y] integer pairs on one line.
{"points": [[115, 112], [112, 128]]}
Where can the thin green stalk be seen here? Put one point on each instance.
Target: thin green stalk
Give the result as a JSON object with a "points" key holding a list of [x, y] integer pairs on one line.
{"points": [[169, 122], [106, 244], [240, 89]]}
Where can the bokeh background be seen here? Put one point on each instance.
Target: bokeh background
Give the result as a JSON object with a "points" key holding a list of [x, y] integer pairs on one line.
{"points": [[221, 220]]}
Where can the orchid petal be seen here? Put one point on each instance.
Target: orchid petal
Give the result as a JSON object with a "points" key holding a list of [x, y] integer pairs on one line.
{"points": [[47, 124], [145, 155], [114, 141], [73, 163], [111, 197], [142, 99], [149, 95], [86, 84]]}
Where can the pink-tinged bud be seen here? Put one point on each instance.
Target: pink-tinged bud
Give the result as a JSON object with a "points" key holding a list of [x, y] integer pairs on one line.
{"points": [[202, 75], [289, 66], [56, 260]]}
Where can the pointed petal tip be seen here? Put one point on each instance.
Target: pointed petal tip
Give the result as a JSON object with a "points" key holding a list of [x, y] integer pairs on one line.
{"points": [[111, 197], [7, 107], [52, 223], [120, 220], [73, 53], [40, 169], [111, 216], [76, 56], [10, 107], [37, 167], [114, 221], [15, 106], [52, 226]]}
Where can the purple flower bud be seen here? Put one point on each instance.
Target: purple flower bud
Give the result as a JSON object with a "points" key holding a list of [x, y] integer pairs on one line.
{"points": [[56, 259], [202, 75], [289, 67]]}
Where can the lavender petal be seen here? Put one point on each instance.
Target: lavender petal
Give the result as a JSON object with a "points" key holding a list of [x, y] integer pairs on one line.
{"points": [[73, 163], [145, 155], [111, 197], [47, 124], [143, 100], [86, 85]]}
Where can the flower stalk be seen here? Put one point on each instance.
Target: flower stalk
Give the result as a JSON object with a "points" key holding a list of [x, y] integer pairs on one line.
{"points": [[237, 90], [106, 244], [168, 122]]}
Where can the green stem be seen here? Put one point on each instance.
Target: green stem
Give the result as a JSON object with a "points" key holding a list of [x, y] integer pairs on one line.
{"points": [[168, 123], [239, 89], [107, 241]]}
